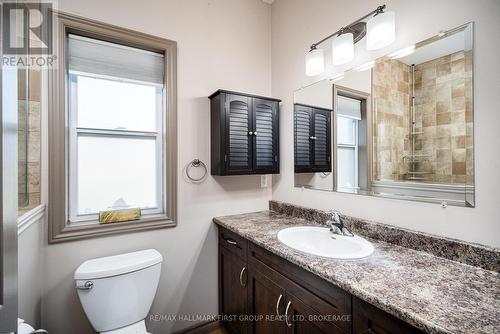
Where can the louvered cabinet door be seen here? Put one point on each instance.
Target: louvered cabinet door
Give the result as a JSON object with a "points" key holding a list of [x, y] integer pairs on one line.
{"points": [[265, 133], [302, 138], [238, 157], [321, 141]]}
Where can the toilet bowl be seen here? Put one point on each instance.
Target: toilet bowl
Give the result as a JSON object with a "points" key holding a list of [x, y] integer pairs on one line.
{"points": [[116, 292]]}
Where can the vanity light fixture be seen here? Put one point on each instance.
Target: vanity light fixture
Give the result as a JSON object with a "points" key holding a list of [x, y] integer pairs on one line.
{"points": [[343, 48], [315, 62], [364, 67], [402, 53], [379, 29]]}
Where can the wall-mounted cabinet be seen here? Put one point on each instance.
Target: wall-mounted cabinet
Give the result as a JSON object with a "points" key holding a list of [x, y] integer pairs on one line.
{"points": [[312, 139], [244, 134]]}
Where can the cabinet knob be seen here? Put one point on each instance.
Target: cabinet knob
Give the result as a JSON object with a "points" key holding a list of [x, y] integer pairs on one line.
{"points": [[312, 138], [250, 133], [255, 133]]}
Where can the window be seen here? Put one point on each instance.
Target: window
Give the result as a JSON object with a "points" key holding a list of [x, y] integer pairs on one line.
{"points": [[118, 106], [348, 116], [116, 129]]}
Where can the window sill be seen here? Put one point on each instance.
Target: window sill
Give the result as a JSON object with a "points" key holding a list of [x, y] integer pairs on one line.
{"points": [[87, 231]]}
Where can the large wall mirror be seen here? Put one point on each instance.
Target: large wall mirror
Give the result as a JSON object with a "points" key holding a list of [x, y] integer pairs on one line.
{"points": [[401, 127]]}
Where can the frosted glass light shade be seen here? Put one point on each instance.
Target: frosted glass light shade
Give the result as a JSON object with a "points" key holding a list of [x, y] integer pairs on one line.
{"points": [[343, 49], [380, 31], [315, 62]]}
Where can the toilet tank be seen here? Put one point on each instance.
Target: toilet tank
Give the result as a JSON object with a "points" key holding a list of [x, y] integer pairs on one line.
{"points": [[117, 291]]}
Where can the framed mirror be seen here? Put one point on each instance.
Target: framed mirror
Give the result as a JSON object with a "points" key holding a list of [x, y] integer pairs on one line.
{"points": [[398, 127]]}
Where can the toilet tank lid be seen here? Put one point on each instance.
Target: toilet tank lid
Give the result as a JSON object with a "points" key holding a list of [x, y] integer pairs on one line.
{"points": [[118, 264]]}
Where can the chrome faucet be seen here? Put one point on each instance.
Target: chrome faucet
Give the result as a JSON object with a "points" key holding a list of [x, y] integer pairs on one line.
{"points": [[336, 225]]}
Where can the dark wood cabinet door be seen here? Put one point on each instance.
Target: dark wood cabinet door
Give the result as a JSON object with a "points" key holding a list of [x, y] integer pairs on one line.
{"points": [[265, 133], [312, 139], [321, 140], [302, 319], [265, 301], [369, 319], [238, 157], [233, 290], [302, 124]]}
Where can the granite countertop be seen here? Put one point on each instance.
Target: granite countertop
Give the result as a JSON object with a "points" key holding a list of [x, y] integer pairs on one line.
{"points": [[434, 294]]}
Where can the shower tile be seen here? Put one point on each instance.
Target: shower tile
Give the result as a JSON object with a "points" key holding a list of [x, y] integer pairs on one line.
{"points": [[33, 177], [34, 146], [443, 118], [458, 168], [458, 66], [458, 103], [443, 69], [458, 155], [458, 90], [34, 116], [443, 143], [458, 142]]}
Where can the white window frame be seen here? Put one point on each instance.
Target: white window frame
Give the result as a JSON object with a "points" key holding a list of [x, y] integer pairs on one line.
{"points": [[75, 131], [354, 146]]}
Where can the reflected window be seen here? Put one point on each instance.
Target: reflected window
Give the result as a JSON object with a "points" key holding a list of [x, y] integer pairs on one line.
{"points": [[347, 153], [348, 117]]}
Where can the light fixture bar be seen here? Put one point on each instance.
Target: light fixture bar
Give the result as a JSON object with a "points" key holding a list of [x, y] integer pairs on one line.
{"points": [[378, 10]]}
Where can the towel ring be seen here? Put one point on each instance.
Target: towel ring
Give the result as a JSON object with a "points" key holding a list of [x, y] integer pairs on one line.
{"points": [[196, 163]]}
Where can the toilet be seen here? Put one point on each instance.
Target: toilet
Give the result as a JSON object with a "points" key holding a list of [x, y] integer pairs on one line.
{"points": [[116, 292]]}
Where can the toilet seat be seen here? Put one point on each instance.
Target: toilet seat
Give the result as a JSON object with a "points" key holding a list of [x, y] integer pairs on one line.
{"points": [[136, 328]]}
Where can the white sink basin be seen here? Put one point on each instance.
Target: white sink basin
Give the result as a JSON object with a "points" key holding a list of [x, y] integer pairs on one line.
{"points": [[321, 242]]}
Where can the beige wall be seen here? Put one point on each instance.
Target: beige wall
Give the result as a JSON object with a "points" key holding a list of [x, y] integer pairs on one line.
{"points": [[298, 23], [221, 44]]}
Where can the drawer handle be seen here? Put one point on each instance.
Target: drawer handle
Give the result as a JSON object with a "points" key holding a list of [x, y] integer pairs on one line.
{"points": [[286, 314], [278, 305], [231, 242], [241, 277]]}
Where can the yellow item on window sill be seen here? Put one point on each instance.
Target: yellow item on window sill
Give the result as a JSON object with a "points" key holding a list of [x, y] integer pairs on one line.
{"points": [[117, 216]]}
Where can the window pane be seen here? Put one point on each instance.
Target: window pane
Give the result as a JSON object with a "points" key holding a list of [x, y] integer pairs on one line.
{"points": [[115, 172], [109, 104], [346, 130], [346, 167]]}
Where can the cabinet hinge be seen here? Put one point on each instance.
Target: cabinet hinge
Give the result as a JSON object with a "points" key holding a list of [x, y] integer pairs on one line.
{"points": [[225, 157], [276, 158]]}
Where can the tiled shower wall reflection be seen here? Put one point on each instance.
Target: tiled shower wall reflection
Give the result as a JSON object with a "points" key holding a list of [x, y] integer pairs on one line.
{"points": [[443, 117], [391, 97], [28, 139]]}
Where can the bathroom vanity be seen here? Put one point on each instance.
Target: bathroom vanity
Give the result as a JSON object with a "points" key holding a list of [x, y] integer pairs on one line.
{"points": [[267, 287]]}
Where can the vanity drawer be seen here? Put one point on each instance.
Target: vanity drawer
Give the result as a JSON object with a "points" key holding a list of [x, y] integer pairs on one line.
{"points": [[233, 243], [369, 319]]}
